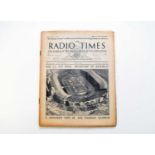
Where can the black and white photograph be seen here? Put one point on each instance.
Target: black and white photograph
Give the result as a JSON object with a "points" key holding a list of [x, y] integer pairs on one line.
{"points": [[77, 92]]}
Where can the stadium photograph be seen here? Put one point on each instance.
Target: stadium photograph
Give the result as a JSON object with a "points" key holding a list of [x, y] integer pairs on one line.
{"points": [[77, 92]]}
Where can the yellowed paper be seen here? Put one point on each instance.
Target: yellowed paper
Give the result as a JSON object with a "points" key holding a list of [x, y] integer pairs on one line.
{"points": [[77, 79]]}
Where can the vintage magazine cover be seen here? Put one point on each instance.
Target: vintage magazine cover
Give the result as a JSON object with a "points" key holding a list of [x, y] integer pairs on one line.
{"points": [[77, 79]]}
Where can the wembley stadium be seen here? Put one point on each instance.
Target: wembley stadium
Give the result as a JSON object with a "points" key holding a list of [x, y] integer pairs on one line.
{"points": [[79, 89]]}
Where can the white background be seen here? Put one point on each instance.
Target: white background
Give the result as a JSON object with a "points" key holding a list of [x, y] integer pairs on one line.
{"points": [[135, 74], [88, 13]]}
